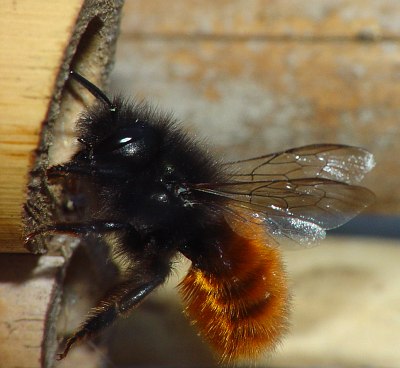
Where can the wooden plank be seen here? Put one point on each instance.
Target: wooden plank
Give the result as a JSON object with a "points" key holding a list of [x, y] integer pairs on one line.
{"points": [[259, 76], [254, 97], [35, 36], [264, 18], [345, 305], [30, 291], [42, 299], [42, 39]]}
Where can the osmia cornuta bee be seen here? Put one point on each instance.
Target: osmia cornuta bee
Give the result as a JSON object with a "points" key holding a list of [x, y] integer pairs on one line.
{"points": [[159, 193]]}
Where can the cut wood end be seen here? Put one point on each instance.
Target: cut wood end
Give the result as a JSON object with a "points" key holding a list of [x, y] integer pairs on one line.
{"points": [[81, 35]]}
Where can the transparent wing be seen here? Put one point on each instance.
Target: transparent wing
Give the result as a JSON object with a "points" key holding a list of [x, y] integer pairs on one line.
{"points": [[286, 230], [328, 161], [275, 229], [326, 203], [296, 194], [300, 209]]}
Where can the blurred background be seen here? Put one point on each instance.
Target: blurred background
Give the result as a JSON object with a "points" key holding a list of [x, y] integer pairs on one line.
{"points": [[265, 75], [251, 77]]}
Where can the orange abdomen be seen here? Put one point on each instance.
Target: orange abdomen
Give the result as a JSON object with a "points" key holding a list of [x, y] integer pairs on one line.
{"points": [[242, 310]]}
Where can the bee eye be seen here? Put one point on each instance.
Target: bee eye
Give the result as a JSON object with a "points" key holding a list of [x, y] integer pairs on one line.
{"points": [[118, 140], [133, 142]]}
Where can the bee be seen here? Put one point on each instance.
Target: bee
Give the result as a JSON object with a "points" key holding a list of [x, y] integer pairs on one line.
{"points": [[158, 193]]}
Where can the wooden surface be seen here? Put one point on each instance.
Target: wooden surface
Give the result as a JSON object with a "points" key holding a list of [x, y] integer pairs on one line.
{"points": [[345, 305], [40, 40], [254, 77], [290, 18], [35, 35], [30, 291], [42, 299]]}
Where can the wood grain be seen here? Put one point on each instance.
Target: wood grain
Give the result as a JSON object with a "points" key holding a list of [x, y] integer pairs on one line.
{"points": [[315, 19], [259, 76], [30, 291], [40, 43], [42, 39], [35, 36]]}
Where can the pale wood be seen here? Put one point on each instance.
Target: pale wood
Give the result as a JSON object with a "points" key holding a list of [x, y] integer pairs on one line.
{"points": [[34, 36], [345, 305], [253, 77], [42, 300], [39, 41], [30, 292], [316, 19]]}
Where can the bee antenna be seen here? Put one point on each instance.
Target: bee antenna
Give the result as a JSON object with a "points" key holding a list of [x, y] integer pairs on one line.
{"points": [[94, 90]]}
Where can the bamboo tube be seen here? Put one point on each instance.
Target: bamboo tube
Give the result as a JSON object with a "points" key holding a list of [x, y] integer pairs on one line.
{"points": [[40, 42]]}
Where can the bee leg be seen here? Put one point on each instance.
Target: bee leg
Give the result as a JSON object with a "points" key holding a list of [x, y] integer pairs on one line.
{"points": [[61, 171], [80, 228], [121, 301]]}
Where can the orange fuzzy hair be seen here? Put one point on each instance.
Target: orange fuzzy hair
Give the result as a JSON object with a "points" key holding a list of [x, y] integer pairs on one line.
{"points": [[241, 312]]}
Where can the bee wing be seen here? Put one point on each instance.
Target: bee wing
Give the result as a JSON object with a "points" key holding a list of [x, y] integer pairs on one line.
{"points": [[328, 161], [299, 209], [296, 194], [274, 229]]}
